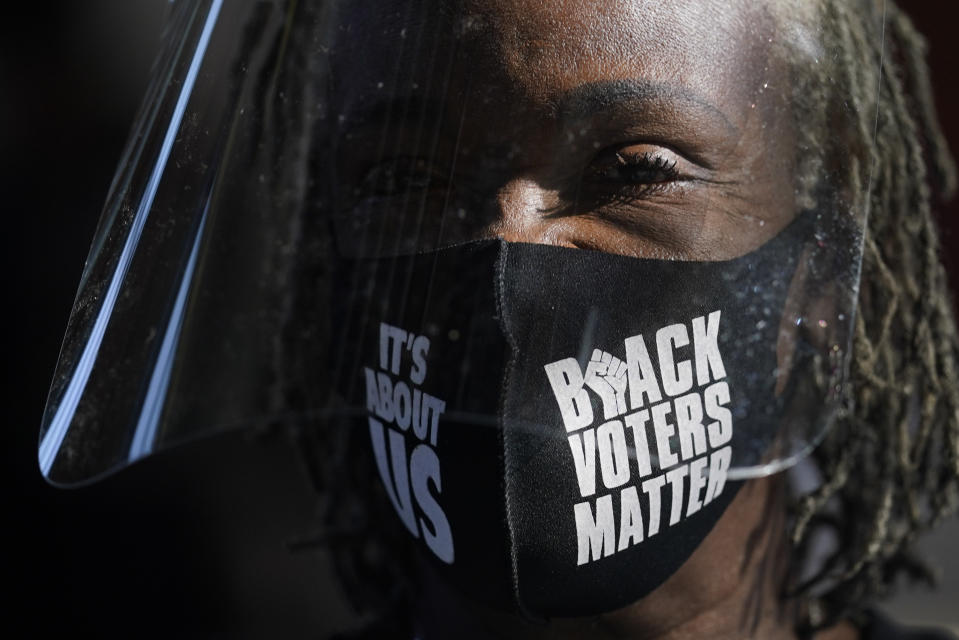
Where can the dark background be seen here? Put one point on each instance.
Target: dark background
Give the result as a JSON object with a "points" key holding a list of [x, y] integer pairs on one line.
{"points": [[192, 544], [188, 545]]}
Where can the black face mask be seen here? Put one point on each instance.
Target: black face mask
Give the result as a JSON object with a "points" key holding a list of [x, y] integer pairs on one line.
{"points": [[556, 426]]}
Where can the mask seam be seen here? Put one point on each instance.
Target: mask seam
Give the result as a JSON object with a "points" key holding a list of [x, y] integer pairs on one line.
{"points": [[507, 376]]}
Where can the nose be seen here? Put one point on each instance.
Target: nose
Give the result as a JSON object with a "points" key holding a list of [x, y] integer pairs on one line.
{"points": [[521, 213]]}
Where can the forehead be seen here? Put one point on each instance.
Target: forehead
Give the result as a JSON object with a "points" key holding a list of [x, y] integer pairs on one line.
{"points": [[536, 51], [554, 43]]}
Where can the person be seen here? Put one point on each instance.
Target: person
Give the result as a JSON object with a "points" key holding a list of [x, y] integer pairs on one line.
{"points": [[595, 320], [887, 469]]}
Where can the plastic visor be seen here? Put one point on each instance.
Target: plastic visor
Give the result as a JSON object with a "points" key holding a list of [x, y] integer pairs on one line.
{"points": [[280, 139]]}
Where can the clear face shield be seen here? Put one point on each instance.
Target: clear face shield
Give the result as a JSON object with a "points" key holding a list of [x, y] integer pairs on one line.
{"points": [[565, 255]]}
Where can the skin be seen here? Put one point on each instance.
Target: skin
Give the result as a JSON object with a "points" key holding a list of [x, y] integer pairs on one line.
{"points": [[728, 589], [523, 117], [646, 129]]}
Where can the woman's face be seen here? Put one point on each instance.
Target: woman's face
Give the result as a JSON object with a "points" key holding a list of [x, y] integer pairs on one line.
{"points": [[635, 127], [630, 126]]}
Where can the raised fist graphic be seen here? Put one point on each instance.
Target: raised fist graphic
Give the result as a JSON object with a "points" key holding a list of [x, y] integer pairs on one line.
{"points": [[606, 375]]}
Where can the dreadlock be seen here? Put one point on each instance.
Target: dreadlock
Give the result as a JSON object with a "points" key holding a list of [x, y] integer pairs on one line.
{"points": [[891, 463]]}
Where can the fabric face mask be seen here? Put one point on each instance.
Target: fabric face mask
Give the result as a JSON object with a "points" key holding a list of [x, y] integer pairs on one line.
{"points": [[557, 427]]}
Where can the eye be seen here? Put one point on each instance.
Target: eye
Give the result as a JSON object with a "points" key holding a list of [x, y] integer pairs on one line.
{"points": [[645, 169], [398, 176], [638, 169]]}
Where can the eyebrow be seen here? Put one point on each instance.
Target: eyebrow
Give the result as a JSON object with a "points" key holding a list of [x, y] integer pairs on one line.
{"points": [[590, 99]]}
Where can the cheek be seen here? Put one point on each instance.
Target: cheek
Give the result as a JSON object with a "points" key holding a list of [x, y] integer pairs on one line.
{"points": [[757, 199]]}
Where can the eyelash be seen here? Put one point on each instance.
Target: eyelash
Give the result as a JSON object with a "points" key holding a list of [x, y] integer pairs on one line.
{"points": [[399, 176], [640, 174], [614, 177]]}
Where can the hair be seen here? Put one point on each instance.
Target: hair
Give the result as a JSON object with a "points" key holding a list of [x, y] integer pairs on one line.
{"points": [[889, 466]]}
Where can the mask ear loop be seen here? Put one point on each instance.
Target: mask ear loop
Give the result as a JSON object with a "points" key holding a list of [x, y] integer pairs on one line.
{"points": [[808, 352]]}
